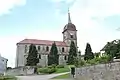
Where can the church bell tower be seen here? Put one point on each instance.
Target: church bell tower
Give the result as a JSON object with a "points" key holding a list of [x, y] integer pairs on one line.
{"points": [[69, 32]]}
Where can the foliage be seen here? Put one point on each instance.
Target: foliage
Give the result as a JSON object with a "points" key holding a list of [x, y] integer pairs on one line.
{"points": [[92, 61], [82, 63], [105, 58], [7, 78], [72, 53], [47, 70], [60, 66], [53, 57], [32, 58], [62, 70], [88, 52], [53, 69], [79, 62], [112, 48], [96, 60], [76, 61]]}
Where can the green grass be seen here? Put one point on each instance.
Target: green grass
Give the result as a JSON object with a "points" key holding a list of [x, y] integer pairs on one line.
{"points": [[8, 78], [65, 76], [62, 70]]}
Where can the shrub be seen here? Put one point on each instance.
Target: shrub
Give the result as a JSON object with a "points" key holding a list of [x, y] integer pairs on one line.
{"points": [[53, 65], [82, 63], [93, 61], [60, 66], [47, 70], [104, 59]]}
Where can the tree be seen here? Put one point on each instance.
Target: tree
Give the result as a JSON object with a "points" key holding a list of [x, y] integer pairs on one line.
{"points": [[32, 58], [88, 52], [53, 57], [72, 53], [112, 48]]}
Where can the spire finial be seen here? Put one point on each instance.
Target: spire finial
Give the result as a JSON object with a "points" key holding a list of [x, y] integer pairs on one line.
{"points": [[69, 19]]}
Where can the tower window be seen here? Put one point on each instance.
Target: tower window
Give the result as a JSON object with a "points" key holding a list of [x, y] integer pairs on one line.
{"points": [[71, 36], [38, 48], [47, 48], [63, 50]]}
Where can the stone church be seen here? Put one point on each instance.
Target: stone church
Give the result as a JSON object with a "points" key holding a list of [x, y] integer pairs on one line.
{"points": [[44, 46]]}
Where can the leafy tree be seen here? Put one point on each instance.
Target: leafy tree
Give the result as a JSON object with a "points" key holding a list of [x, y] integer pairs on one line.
{"points": [[53, 57], [72, 53], [112, 48], [88, 52], [32, 58]]}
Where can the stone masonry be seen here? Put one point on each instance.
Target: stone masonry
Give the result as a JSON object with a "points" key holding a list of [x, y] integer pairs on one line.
{"points": [[99, 72]]}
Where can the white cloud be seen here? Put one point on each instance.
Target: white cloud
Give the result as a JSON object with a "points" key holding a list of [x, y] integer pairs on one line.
{"points": [[89, 30], [7, 5], [98, 8]]}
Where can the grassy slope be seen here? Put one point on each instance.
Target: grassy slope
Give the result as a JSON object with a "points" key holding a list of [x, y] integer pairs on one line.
{"points": [[65, 76], [7, 78], [62, 70]]}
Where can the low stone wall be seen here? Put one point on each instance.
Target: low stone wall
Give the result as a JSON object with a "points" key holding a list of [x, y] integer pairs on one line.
{"points": [[99, 72], [20, 71]]}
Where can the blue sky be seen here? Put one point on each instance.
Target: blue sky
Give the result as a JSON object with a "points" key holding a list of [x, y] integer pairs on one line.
{"points": [[95, 20]]}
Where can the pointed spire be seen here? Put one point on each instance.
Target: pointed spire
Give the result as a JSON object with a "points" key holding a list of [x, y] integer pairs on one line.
{"points": [[69, 19]]}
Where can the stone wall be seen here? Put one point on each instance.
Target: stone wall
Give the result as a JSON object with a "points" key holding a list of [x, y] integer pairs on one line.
{"points": [[99, 72], [20, 71]]}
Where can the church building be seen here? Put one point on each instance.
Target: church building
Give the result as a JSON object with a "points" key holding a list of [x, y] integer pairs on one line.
{"points": [[44, 46]]}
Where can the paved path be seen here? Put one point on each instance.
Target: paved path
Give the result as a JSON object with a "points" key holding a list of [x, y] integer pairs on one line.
{"points": [[39, 77]]}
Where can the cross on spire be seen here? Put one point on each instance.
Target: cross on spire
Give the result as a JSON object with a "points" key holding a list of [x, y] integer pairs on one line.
{"points": [[69, 19]]}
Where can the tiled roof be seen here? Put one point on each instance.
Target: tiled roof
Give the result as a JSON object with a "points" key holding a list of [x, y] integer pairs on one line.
{"points": [[42, 42]]}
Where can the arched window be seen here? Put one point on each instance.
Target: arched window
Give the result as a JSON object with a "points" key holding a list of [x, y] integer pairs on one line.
{"points": [[63, 50], [47, 48], [38, 48]]}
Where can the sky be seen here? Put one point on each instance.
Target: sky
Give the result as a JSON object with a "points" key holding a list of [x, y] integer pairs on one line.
{"points": [[97, 22]]}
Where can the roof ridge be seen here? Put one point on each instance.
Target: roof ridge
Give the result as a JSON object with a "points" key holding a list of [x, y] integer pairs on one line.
{"points": [[43, 40]]}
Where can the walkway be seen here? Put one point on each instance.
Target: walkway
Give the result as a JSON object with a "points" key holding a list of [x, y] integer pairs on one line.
{"points": [[39, 77]]}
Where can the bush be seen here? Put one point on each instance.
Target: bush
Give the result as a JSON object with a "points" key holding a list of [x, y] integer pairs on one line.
{"points": [[105, 58], [82, 63], [47, 70], [93, 61], [60, 66]]}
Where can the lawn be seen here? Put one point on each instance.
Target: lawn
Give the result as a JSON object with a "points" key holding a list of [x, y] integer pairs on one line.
{"points": [[57, 70], [8, 78], [62, 70], [65, 76]]}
